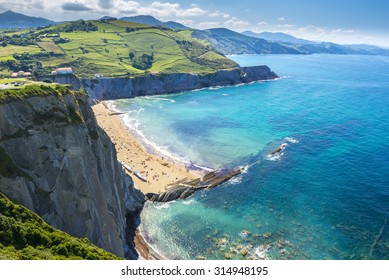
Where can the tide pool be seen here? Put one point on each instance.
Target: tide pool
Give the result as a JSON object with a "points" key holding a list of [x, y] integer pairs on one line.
{"points": [[325, 196]]}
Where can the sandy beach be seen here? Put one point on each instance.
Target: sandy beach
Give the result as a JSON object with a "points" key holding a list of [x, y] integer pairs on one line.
{"points": [[158, 171]]}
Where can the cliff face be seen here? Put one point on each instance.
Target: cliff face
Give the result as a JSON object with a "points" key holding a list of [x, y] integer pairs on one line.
{"points": [[111, 88], [114, 88], [65, 168]]}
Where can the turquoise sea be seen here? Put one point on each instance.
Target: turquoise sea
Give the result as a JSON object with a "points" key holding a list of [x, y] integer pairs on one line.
{"points": [[326, 196]]}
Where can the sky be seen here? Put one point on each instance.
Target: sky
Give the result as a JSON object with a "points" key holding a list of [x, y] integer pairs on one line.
{"points": [[339, 21]]}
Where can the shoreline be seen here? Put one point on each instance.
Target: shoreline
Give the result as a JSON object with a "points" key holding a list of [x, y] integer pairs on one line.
{"points": [[157, 171], [144, 249]]}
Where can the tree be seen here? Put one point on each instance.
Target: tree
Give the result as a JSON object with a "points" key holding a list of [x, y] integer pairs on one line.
{"points": [[143, 62]]}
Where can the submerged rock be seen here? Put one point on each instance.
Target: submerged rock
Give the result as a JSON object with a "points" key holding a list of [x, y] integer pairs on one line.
{"points": [[244, 252]]}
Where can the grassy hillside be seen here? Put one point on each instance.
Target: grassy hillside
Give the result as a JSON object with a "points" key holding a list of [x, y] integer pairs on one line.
{"points": [[24, 235], [109, 47]]}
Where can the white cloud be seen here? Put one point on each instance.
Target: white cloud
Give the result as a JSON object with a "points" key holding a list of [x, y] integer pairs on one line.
{"points": [[192, 12], [236, 23], [219, 14], [262, 23], [281, 19], [209, 24], [160, 10], [285, 26]]}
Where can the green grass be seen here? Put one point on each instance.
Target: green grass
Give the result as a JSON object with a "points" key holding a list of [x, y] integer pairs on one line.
{"points": [[7, 80], [50, 47], [25, 236], [106, 50], [11, 49], [8, 95]]}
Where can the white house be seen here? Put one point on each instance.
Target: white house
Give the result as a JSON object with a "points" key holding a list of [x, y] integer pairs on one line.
{"points": [[21, 74], [62, 71]]}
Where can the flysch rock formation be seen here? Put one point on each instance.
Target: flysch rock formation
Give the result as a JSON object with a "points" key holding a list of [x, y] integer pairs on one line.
{"points": [[152, 84], [69, 173]]}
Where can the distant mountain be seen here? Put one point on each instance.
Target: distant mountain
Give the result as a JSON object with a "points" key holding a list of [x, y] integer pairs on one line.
{"points": [[332, 48], [227, 42], [277, 37], [107, 17], [311, 47], [10, 19], [368, 49], [150, 20]]}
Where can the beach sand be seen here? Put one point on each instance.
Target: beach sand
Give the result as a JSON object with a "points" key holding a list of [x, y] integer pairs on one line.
{"points": [[158, 170]]}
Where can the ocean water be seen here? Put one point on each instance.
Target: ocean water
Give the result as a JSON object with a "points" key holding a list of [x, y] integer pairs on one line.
{"points": [[325, 196]]}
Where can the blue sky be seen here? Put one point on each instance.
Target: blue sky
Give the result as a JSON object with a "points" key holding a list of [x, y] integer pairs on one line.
{"points": [[342, 21]]}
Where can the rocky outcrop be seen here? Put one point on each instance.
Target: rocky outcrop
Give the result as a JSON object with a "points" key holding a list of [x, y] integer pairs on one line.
{"points": [[151, 84], [184, 189], [64, 168]]}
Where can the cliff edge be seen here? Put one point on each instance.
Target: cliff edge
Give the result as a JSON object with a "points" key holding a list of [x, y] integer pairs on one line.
{"points": [[59, 163], [153, 84]]}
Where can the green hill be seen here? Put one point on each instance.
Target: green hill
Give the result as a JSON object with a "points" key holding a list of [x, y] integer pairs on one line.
{"points": [[230, 42], [24, 235], [108, 47]]}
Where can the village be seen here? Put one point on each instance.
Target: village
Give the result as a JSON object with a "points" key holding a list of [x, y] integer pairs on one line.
{"points": [[22, 78]]}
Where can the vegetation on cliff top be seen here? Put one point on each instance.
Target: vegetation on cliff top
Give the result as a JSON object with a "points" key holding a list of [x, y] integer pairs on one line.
{"points": [[108, 47], [24, 235], [8, 95]]}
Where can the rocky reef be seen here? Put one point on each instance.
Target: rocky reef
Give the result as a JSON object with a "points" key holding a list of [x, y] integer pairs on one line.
{"points": [[184, 189], [152, 84], [59, 163]]}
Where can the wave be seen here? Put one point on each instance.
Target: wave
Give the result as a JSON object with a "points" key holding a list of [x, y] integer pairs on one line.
{"points": [[274, 157], [164, 205], [236, 180], [261, 251], [153, 98], [244, 234], [291, 140], [111, 105], [189, 202], [215, 88], [277, 154]]}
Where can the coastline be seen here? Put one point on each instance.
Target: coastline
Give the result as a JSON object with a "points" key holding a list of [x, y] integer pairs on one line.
{"points": [[158, 171]]}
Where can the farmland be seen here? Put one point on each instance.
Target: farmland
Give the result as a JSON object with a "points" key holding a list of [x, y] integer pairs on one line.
{"points": [[109, 47]]}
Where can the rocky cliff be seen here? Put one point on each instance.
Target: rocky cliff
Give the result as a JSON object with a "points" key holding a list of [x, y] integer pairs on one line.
{"points": [[151, 84], [60, 164]]}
